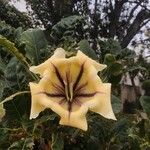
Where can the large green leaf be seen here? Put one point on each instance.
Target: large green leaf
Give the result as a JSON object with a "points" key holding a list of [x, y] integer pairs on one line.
{"points": [[109, 59], [65, 26], [116, 104], [145, 102], [44, 118], [116, 68], [22, 144], [3, 85], [57, 142], [15, 75], [35, 43], [7, 31], [10, 47], [17, 108], [84, 46], [2, 65], [114, 72], [112, 46]]}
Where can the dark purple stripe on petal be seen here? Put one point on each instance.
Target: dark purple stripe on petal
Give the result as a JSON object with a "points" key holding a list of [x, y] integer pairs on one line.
{"points": [[78, 77], [69, 106], [80, 88], [58, 88], [59, 76], [86, 95], [54, 94], [62, 101], [77, 102]]}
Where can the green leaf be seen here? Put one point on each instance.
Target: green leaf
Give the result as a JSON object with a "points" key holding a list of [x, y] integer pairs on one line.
{"points": [[114, 72], [2, 65], [65, 26], [35, 42], [44, 119], [116, 104], [10, 47], [22, 144], [2, 87], [57, 142], [109, 59], [17, 108], [110, 46], [15, 75], [116, 68], [145, 102], [84, 46]]}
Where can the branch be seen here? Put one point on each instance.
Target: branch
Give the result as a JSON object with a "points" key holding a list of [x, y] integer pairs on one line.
{"points": [[134, 27], [114, 17], [144, 23], [131, 14], [140, 4], [14, 95], [51, 10]]}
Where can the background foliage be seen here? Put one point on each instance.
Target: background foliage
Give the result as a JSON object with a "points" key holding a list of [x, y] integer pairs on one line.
{"points": [[76, 25]]}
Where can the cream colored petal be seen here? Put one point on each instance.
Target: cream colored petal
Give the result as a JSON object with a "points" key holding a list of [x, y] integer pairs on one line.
{"points": [[102, 104], [99, 103], [36, 107], [76, 119], [40, 101], [82, 57], [58, 54]]}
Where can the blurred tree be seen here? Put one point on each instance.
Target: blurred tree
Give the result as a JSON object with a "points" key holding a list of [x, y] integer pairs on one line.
{"points": [[12, 16], [121, 19]]}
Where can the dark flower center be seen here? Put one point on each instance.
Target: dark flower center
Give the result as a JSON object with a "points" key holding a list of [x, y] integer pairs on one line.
{"points": [[70, 92]]}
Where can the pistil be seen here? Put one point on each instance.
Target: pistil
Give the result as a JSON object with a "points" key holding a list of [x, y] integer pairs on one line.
{"points": [[69, 91]]}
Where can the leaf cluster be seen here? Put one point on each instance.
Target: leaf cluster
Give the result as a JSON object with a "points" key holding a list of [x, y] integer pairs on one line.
{"points": [[21, 49]]}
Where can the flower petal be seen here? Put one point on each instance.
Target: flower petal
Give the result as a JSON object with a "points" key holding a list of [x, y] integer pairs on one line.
{"points": [[82, 57], [36, 107], [58, 54], [76, 119], [40, 102], [102, 104], [69, 87]]}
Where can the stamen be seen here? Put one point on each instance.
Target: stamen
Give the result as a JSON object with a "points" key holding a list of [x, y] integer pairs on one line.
{"points": [[68, 87], [71, 91], [66, 90]]}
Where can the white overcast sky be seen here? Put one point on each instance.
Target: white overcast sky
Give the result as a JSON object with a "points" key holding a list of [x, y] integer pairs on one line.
{"points": [[20, 5]]}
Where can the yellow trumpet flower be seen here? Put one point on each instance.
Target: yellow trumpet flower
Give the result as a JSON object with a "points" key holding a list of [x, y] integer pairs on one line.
{"points": [[70, 87]]}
